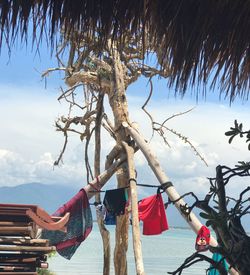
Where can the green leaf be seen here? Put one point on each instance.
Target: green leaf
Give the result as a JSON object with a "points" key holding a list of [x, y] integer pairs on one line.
{"points": [[205, 216], [231, 139], [208, 223], [229, 133]]}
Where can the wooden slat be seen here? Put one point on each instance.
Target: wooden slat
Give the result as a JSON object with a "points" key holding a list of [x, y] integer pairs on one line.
{"points": [[17, 255], [18, 273], [13, 223], [14, 269], [24, 263], [15, 212], [17, 231], [25, 213], [13, 266], [20, 254], [22, 240], [17, 206], [27, 260], [15, 218], [19, 266], [26, 248]]}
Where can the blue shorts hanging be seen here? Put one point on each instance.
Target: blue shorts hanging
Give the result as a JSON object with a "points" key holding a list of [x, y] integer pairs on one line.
{"points": [[110, 219]]}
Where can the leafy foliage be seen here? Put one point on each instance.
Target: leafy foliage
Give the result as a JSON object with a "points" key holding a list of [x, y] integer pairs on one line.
{"points": [[44, 272], [224, 214], [237, 130]]}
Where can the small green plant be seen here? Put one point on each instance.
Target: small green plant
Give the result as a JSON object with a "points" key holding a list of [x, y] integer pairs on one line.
{"points": [[237, 130], [42, 271]]}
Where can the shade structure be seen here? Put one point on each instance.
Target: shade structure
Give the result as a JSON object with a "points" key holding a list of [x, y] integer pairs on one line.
{"points": [[195, 39]]}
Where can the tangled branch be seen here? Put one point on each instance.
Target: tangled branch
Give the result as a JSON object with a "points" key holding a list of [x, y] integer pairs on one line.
{"points": [[197, 257], [234, 242], [160, 128]]}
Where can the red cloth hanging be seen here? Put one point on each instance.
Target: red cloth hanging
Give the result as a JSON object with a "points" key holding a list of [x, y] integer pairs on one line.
{"points": [[202, 239], [152, 213], [79, 225]]}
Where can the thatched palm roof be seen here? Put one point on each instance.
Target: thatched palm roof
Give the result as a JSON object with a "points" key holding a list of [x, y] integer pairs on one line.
{"points": [[196, 37]]}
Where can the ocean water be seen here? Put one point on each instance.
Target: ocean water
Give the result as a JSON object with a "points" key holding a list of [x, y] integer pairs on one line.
{"points": [[161, 254]]}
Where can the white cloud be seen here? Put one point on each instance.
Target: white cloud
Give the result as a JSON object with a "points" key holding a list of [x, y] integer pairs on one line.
{"points": [[29, 143], [16, 170], [190, 168], [205, 127]]}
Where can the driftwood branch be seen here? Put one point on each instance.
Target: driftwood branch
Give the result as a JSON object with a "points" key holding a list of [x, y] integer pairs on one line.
{"points": [[191, 219], [97, 161], [197, 257], [134, 208], [160, 128]]}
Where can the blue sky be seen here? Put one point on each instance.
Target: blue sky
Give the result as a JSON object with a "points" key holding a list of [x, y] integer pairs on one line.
{"points": [[29, 143]]}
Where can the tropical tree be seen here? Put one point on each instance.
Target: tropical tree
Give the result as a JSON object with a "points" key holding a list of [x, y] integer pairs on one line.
{"points": [[101, 72], [105, 71]]}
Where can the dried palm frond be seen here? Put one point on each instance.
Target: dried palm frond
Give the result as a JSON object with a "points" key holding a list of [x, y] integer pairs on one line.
{"points": [[196, 38]]}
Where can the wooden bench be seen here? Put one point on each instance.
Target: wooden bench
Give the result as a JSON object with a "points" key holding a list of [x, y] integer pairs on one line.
{"points": [[21, 252]]}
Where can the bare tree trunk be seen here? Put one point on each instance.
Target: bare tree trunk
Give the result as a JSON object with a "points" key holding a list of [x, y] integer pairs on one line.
{"points": [[103, 230], [134, 208], [118, 103]]}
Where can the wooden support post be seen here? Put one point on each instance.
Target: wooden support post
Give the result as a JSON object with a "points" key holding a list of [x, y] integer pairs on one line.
{"points": [[119, 105], [134, 206], [102, 228]]}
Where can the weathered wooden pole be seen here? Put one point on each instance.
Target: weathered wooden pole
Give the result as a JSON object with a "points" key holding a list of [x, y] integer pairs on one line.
{"points": [[134, 208], [102, 228], [119, 106], [193, 222]]}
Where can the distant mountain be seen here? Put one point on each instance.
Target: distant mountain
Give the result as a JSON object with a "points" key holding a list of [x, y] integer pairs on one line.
{"points": [[47, 196], [50, 197]]}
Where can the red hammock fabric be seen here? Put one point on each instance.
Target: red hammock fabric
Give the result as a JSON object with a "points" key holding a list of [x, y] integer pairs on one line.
{"points": [[78, 227], [152, 213], [202, 239]]}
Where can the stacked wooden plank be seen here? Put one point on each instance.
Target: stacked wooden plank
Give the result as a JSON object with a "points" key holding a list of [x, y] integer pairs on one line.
{"points": [[21, 252]]}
